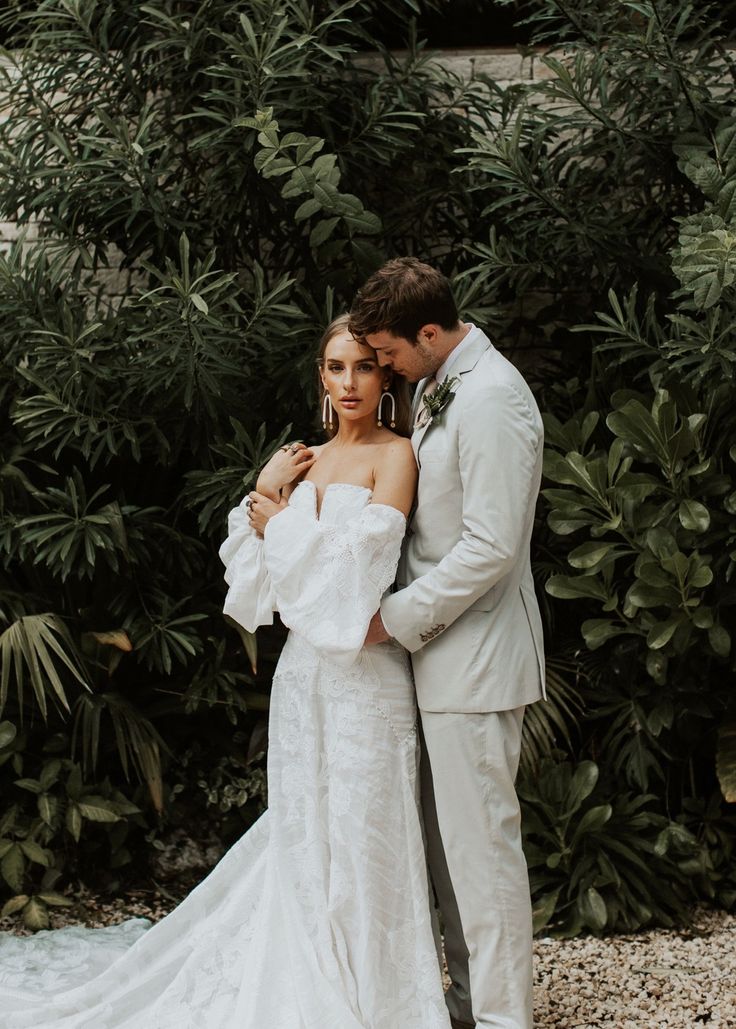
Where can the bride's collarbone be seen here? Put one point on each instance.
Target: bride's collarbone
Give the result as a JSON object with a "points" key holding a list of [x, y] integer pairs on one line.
{"points": [[342, 477], [340, 474], [350, 466]]}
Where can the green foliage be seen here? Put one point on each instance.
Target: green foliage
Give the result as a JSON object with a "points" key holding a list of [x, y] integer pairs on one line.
{"points": [[33, 646], [726, 761], [230, 785], [200, 187], [598, 860], [41, 828], [610, 185]]}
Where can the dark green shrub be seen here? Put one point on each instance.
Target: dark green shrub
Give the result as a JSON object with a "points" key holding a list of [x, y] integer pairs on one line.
{"points": [[612, 182], [199, 187]]}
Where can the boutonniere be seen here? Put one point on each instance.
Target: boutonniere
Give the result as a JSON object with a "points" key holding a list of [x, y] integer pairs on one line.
{"points": [[434, 403]]}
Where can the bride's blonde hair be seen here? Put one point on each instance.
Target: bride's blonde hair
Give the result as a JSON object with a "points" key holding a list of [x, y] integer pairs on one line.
{"points": [[399, 387]]}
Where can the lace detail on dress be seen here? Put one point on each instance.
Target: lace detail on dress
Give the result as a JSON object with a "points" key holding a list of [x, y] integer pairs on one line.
{"points": [[318, 918]]}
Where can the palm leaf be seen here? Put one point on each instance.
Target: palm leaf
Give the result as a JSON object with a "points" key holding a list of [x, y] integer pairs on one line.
{"points": [[34, 646], [138, 743], [547, 725]]}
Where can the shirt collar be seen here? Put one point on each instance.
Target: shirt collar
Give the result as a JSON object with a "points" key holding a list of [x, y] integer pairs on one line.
{"points": [[449, 361]]}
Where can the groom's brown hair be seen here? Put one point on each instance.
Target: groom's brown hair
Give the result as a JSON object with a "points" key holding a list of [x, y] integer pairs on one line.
{"points": [[400, 298]]}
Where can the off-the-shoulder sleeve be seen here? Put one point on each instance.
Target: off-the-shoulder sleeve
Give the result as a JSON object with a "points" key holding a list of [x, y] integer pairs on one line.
{"points": [[328, 579], [250, 599]]}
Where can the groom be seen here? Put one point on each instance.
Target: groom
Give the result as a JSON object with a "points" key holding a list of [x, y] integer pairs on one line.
{"points": [[465, 608]]}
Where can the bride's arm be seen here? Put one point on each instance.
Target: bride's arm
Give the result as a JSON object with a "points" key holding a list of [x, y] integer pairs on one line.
{"points": [[396, 483], [286, 466], [250, 599], [329, 577], [395, 476]]}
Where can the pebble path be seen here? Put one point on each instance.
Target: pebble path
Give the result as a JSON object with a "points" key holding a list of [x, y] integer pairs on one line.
{"points": [[674, 978], [682, 979]]}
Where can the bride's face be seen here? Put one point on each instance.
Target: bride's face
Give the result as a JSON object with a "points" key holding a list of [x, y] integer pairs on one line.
{"points": [[352, 377]]}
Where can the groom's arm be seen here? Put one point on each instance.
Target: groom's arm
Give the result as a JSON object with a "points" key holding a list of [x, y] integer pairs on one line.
{"points": [[499, 446]]}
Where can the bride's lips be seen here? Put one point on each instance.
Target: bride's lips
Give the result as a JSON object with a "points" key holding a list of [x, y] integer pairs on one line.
{"points": [[350, 402]]}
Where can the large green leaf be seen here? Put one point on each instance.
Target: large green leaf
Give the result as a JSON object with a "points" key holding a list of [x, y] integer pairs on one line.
{"points": [[726, 761], [543, 910], [694, 515], [582, 784], [593, 909], [96, 809], [591, 556], [8, 733], [567, 587], [661, 633], [34, 852], [593, 819], [12, 867], [597, 631], [720, 639], [14, 905], [35, 914]]}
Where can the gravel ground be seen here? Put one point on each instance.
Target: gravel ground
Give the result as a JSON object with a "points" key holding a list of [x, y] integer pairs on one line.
{"points": [[681, 979]]}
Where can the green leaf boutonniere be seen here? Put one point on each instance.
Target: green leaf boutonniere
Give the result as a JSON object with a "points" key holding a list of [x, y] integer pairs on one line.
{"points": [[435, 402]]}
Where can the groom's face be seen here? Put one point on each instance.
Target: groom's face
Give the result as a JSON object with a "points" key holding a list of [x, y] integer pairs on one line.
{"points": [[412, 360]]}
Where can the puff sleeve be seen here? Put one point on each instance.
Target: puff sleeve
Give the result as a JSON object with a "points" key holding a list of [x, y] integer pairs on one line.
{"points": [[328, 579], [250, 599]]}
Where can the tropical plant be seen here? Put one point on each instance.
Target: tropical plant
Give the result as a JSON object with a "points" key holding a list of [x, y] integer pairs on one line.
{"points": [[611, 184], [598, 861], [198, 188]]}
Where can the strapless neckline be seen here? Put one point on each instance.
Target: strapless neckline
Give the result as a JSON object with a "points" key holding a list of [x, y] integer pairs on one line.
{"points": [[328, 487]]}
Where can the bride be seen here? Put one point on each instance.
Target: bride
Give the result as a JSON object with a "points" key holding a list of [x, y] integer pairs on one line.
{"points": [[318, 918]]}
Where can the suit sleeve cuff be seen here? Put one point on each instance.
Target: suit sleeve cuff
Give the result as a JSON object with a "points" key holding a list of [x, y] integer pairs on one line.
{"points": [[390, 616]]}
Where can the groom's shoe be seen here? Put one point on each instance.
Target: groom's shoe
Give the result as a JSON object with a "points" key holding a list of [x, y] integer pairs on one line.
{"points": [[456, 1024]]}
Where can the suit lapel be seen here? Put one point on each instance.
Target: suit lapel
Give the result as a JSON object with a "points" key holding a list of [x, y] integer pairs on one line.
{"points": [[417, 399], [460, 368], [418, 436]]}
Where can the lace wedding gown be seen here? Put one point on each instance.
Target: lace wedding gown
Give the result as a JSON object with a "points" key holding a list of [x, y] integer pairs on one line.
{"points": [[318, 917]]}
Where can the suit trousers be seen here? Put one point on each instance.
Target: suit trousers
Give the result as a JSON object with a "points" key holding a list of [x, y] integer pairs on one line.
{"points": [[473, 829]]}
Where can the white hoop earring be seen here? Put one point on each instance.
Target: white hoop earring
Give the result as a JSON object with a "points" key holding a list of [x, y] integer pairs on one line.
{"points": [[392, 421], [327, 412]]}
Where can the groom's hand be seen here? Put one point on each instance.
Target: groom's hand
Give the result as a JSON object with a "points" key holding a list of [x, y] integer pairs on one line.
{"points": [[376, 631]]}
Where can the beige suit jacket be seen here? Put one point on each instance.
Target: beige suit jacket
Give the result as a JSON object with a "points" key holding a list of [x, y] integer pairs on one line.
{"points": [[465, 605]]}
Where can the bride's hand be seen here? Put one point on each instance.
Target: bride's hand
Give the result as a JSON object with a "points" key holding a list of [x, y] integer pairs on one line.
{"points": [[261, 509], [287, 464]]}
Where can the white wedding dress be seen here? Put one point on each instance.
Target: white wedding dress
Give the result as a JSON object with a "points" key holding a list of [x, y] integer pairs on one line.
{"points": [[318, 918]]}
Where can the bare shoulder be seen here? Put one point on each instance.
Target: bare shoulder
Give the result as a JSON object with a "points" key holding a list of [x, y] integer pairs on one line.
{"points": [[395, 474], [398, 448], [394, 455]]}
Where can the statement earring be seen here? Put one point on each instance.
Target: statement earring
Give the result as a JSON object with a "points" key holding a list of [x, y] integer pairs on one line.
{"points": [[327, 412], [387, 395]]}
